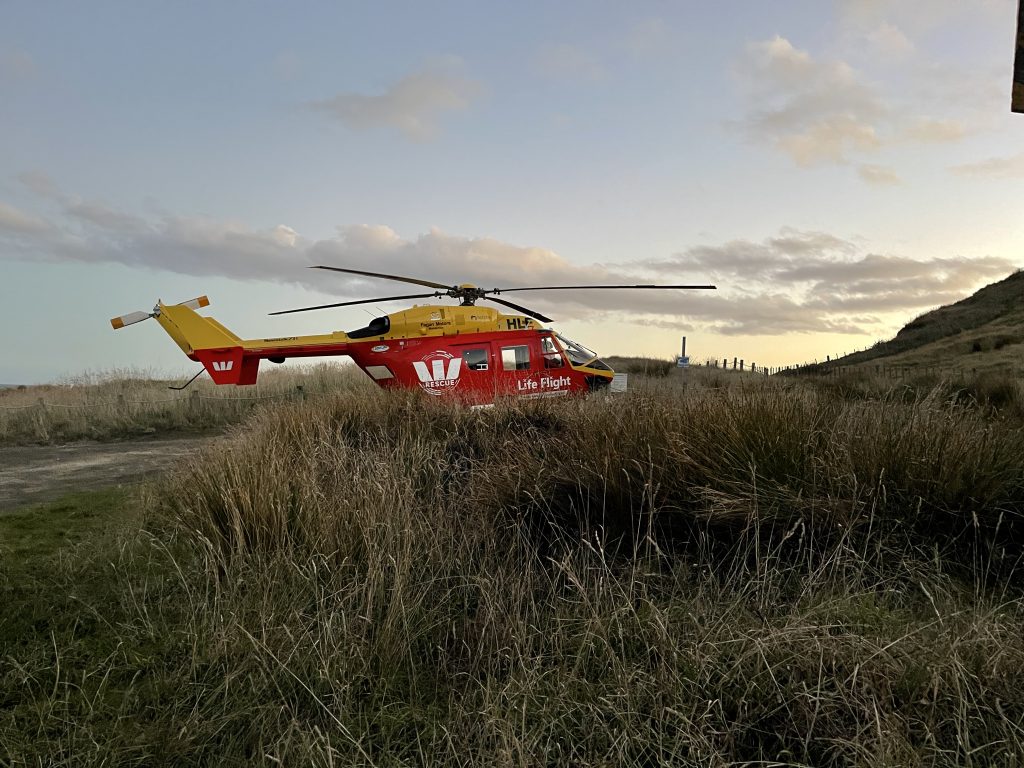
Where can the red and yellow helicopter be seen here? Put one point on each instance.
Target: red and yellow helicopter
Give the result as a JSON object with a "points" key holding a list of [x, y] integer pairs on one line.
{"points": [[471, 353]]}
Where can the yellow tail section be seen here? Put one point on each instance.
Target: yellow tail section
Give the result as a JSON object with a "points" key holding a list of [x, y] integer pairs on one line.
{"points": [[192, 331]]}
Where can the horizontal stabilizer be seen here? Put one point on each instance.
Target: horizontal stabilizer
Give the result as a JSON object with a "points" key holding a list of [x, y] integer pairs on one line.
{"points": [[130, 319]]}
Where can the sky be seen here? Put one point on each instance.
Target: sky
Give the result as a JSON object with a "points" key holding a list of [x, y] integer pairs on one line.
{"points": [[835, 168]]}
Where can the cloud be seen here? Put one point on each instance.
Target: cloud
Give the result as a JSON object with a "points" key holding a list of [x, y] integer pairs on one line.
{"points": [[1011, 167], [918, 49], [40, 183], [890, 41], [917, 15], [816, 112], [18, 222], [413, 106], [793, 282], [926, 130], [565, 61], [829, 140], [90, 211], [820, 111], [828, 279], [878, 174]]}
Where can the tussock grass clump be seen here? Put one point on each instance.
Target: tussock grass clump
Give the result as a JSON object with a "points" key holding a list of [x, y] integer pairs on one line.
{"points": [[657, 466]]}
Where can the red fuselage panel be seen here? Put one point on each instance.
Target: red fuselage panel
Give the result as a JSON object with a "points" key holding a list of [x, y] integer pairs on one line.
{"points": [[473, 368]]}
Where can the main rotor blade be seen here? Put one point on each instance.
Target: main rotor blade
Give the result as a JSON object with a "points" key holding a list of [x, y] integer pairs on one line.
{"points": [[413, 280], [361, 301], [524, 310], [606, 287]]}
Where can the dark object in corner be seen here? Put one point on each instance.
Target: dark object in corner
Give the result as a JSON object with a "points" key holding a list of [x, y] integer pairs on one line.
{"points": [[1017, 97]]}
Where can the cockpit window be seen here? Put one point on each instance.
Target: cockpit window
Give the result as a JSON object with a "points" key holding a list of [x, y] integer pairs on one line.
{"points": [[578, 354], [552, 354]]}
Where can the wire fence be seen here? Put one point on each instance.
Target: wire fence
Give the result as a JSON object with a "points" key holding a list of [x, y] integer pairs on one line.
{"points": [[832, 369]]}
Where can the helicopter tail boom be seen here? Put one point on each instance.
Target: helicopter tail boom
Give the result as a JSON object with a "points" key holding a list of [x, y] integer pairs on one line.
{"points": [[228, 358]]}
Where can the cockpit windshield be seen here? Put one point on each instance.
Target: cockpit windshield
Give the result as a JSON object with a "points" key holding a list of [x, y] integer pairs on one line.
{"points": [[580, 355]]}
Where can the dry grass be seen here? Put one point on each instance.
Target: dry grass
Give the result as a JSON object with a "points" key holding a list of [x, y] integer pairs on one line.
{"points": [[117, 404], [712, 570]]}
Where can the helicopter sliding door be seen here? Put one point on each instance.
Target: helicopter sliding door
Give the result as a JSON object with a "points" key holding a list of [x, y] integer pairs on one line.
{"points": [[531, 366], [477, 372]]}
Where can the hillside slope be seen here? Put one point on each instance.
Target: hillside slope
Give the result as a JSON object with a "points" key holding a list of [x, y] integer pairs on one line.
{"points": [[983, 332]]}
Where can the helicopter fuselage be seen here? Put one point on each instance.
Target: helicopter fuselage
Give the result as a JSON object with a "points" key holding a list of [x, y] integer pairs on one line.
{"points": [[468, 353]]}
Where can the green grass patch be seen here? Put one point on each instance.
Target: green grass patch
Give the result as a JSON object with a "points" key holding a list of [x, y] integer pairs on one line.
{"points": [[30, 536]]}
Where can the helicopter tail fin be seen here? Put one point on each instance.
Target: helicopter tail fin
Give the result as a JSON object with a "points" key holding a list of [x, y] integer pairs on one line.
{"points": [[204, 339]]}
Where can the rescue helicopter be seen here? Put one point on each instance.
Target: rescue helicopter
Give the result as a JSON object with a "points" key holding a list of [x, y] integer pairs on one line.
{"points": [[468, 352]]}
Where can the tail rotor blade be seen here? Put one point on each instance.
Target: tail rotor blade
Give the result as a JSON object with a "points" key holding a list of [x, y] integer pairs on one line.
{"points": [[130, 319], [196, 303]]}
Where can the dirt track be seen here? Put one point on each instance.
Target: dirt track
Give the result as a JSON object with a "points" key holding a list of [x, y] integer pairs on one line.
{"points": [[34, 474]]}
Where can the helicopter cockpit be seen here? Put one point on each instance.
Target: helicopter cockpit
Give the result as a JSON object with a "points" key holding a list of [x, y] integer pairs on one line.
{"points": [[580, 356]]}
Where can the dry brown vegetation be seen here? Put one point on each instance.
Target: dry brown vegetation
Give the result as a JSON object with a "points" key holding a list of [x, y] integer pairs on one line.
{"points": [[118, 404], [710, 570]]}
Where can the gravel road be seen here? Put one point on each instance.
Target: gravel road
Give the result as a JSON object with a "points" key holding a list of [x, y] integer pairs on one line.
{"points": [[34, 474]]}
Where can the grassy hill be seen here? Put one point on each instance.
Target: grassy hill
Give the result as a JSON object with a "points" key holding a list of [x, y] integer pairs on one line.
{"points": [[981, 333]]}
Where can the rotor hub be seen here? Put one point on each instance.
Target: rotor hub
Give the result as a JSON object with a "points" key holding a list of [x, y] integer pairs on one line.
{"points": [[468, 293]]}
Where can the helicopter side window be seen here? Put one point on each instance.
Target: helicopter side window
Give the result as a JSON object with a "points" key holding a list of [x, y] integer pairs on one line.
{"points": [[475, 359], [515, 358], [552, 355]]}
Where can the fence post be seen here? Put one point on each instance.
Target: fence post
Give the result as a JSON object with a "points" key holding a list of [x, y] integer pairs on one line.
{"points": [[734, 360], [193, 400], [300, 392], [741, 364]]}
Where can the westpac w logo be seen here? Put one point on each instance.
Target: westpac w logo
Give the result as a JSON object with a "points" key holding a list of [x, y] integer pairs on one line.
{"points": [[223, 365], [438, 372]]}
